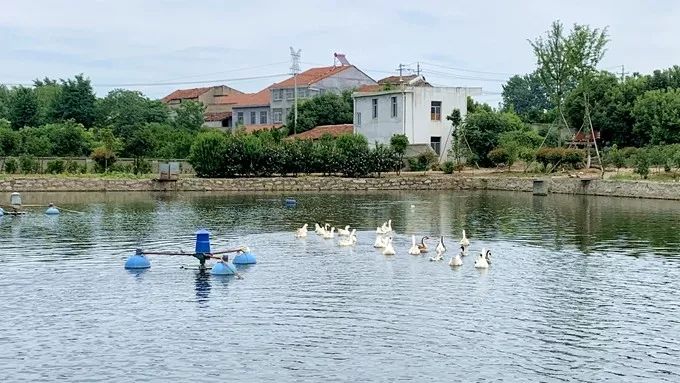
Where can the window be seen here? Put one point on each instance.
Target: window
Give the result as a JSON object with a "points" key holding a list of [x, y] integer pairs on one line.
{"points": [[239, 118], [263, 117], [302, 92], [375, 107], [436, 144], [436, 111], [253, 118], [358, 118], [290, 94], [277, 115], [394, 106], [276, 94]]}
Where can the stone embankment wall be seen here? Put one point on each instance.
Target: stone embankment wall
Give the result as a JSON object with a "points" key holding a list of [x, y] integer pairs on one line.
{"points": [[640, 189]]}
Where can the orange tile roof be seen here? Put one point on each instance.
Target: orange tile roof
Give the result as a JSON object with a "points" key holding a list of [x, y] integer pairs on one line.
{"points": [[321, 130], [182, 94], [370, 88], [312, 75], [260, 98], [218, 116], [258, 127]]}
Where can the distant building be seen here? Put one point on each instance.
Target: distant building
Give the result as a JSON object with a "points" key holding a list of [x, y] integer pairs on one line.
{"points": [[313, 82], [323, 130], [216, 115], [412, 107], [250, 110]]}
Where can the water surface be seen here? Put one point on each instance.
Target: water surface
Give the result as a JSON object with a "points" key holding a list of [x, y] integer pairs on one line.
{"points": [[580, 289]]}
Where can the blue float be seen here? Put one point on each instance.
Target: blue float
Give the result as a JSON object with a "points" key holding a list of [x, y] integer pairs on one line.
{"points": [[246, 258], [222, 268], [137, 261], [203, 242], [51, 210], [290, 201]]}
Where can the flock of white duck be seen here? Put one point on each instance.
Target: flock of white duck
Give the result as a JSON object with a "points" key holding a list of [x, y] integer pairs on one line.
{"points": [[383, 241]]}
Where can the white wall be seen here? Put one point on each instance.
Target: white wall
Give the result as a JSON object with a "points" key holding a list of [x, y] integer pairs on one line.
{"points": [[419, 125]]}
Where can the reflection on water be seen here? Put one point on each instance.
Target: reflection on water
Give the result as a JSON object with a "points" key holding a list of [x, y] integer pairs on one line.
{"points": [[581, 289]]}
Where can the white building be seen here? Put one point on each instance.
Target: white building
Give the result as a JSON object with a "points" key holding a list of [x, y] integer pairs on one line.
{"points": [[418, 111]]}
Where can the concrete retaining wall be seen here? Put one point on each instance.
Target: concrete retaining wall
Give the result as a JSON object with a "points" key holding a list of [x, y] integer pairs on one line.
{"points": [[640, 189]]}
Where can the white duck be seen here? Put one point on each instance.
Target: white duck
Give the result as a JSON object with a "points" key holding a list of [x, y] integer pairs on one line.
{"points": [[329, 234], [440, 246], [414, 250], [349, 240], [483, 260], [438, 257], [380, 242], [389, 250], [301, 232], [319, 229], [458, 259], [344, 232], [464, 241]]}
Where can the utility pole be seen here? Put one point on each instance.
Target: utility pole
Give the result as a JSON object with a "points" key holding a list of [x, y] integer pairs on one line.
{"points": [[401, 69], [623, 73], [418, 68], [294, 70]]}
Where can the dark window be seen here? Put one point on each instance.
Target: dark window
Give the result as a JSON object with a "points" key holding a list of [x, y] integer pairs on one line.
{"points": [[375, 107], [253, 118], [358, 118], [436, 144], [239, 118], [394, 106], [263, 117], [277, 115], [436, 111]]}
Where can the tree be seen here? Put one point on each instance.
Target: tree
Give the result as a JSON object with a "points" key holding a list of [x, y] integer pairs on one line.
{"points": [[526, 95], [325, 109], [456, 121], [47, 93], [190, 116], [483, 128], [208, 153], [141, 144], [564, 61], [657, 117], [69, 139], [4, 102], [127, 110], [23, 107], [399, 143], [76, 101], [10, 141]]}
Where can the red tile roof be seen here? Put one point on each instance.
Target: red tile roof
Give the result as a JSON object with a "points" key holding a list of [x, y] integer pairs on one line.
{"points": [[218, 116], [370, 88], [260, 98], [183, 94], [320, 131], [310, 76], [258, 127]]}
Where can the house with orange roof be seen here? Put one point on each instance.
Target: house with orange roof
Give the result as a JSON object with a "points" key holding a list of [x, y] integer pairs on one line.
{"points": [[216, 114], [249, 109], [312, 82]]}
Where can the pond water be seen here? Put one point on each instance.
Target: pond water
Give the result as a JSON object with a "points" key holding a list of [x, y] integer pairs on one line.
{"points": [[580, 289]]}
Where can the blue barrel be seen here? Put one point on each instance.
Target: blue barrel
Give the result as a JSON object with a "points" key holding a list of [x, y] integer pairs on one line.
{"points": [[202, 242], [137, 261], [245, 259], [222, 268]]}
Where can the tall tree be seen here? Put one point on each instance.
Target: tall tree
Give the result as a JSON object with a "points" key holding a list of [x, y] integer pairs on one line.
{"points": [[47, 92], [527, 96], [127, 110], [325, 109], [657, 116], [76, 101], [190, 116], [4, 102], [23, 107]]}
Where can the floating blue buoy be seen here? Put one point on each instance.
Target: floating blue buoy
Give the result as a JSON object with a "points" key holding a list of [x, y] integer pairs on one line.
{"points": [[202, 242], [138, 261], [51, 210], [245, 259], [290, 201], [222, 268]]}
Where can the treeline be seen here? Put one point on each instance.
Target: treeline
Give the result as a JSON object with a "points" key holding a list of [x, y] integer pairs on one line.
{"points": [[65, 119], [266, 153]]}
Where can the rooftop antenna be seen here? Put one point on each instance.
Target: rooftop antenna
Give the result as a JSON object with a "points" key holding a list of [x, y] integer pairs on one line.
{"points": [[294, 70]]}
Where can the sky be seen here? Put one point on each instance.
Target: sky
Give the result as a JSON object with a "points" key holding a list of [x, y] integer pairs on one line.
{"points": [[146, 44]]}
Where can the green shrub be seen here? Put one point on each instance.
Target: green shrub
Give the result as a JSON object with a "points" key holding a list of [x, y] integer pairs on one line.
{"points": [[642, 164], [423, 161], [103, 158], [11, 165], [207, 154], [28, 164], [73, 167], [141, 166], [121, 168], [448, 167], [500, 156], [573, 157], [55, 167]]}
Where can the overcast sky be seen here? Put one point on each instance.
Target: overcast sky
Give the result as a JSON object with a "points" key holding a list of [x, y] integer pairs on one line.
{"points": [[459, 43]]}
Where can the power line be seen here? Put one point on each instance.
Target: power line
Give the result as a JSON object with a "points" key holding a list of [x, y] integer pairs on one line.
{"points": [[228, 71], [468, 70], [459, 77]]}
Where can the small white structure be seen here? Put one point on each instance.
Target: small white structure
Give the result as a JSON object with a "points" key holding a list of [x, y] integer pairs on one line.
{"points": [[416, 110]]}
